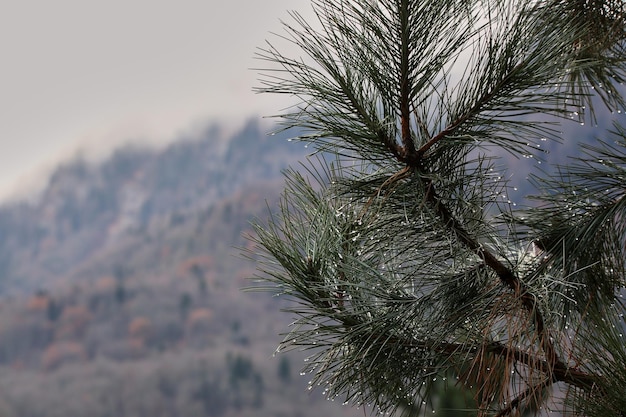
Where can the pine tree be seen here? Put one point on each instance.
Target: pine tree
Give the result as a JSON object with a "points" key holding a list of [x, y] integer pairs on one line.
{"points": [[406, 262]]}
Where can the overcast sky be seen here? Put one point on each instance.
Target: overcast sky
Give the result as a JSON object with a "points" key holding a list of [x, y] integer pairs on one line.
{"points": [[81, 74]]}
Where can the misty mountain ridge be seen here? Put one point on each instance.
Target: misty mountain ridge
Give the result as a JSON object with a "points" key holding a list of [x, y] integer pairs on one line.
{"points": [[120, 287], [87, 207]]}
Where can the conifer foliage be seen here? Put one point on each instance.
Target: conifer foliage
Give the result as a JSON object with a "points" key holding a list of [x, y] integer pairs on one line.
{"points": [[405, 260]]}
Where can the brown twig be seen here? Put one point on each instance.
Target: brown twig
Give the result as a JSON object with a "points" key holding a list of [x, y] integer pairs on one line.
{"points": [[516, 402]]}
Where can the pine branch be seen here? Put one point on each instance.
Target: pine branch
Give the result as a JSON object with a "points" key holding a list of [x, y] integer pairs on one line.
{"points": [[405, 82], [474, 110], [505, 274], [397, 151], [560, 373], [377, 290], [554, 367]]}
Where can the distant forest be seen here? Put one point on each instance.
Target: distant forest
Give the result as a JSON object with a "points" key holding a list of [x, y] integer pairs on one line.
{"points": [[121, 288]]}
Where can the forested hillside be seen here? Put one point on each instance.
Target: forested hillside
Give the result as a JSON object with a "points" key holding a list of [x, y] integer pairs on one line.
{"points": [[121, 288]]}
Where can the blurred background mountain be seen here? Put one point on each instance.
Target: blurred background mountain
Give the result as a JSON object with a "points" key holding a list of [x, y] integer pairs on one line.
{"points": [[121, 287], [120, 283]]}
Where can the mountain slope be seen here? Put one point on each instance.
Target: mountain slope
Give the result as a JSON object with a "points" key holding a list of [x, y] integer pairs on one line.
{"points": [[121, 288], [86, 208]]}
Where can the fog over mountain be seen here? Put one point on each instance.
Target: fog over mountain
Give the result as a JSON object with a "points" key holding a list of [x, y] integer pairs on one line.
{"points": [[79, 75]]}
